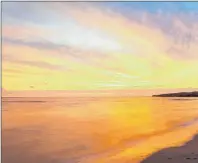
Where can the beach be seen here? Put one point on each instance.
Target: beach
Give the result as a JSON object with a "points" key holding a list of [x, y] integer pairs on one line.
{"points": [[94, 129]]}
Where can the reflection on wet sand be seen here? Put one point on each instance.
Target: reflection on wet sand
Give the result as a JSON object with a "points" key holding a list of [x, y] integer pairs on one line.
{"points": [[90, 130]]}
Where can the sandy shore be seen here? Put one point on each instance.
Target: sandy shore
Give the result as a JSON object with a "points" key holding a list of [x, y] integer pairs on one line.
{"points": [[186, 153]]}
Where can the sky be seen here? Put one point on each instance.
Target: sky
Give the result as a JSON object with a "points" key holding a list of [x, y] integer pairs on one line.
{"points": [[84, 46]]}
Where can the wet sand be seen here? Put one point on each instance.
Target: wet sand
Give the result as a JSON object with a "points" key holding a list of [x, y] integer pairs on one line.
{"points": [[188, 153], [94, 130]]}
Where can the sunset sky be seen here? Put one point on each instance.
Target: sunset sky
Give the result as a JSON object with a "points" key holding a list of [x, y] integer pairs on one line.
{"points": [[99, 46]]}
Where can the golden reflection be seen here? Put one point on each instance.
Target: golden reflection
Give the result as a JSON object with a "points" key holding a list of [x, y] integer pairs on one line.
{"points": [[96, 130]]}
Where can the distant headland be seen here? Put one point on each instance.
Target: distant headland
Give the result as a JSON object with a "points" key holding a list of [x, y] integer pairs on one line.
{"points": [[179, 94]]}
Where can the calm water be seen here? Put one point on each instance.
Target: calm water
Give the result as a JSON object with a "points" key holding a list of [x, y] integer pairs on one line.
{"points": [[94, 130]]}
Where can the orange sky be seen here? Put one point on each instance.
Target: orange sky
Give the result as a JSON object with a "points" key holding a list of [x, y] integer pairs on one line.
{"points": [[99, 46]]}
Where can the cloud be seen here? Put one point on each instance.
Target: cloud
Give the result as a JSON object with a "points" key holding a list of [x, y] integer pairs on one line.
{"points": [[35, 44], [175, 30], [105, 42], [40, 64]]}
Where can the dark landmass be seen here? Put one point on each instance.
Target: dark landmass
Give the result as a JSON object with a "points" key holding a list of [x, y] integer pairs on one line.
{"points": [[184, 154], [180, 94]]}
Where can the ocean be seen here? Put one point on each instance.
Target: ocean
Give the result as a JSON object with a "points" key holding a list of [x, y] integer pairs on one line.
{"points": [[94, 129]]}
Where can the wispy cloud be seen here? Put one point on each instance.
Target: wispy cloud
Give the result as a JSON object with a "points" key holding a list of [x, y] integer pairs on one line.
{"points": [[96, 45]]}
